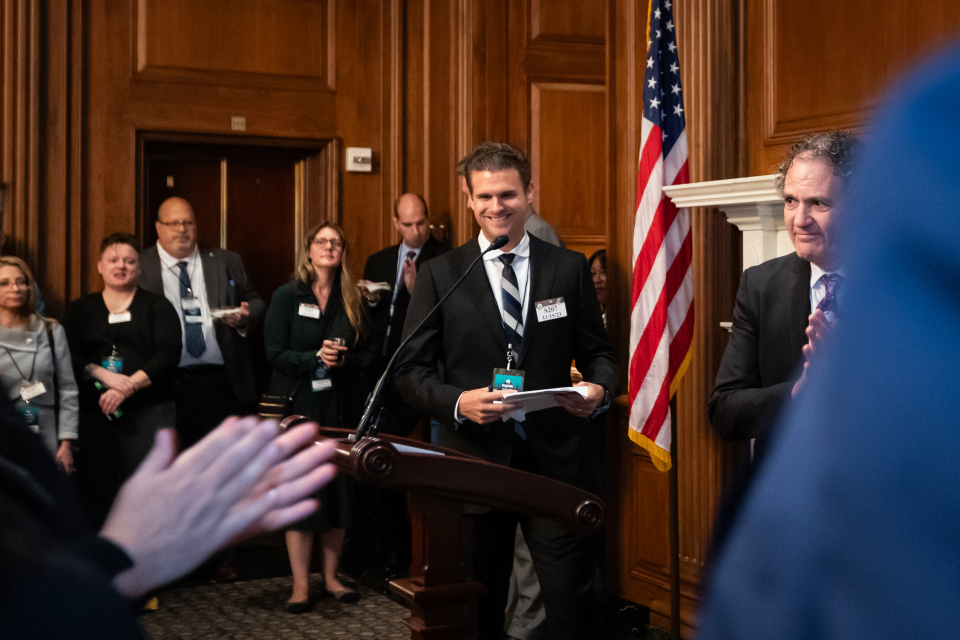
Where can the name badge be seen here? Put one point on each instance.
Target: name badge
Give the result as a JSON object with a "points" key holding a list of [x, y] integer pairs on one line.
{"points": [[191, 310], [551, 309], [31, 415], [310, 311], [507, 380], [115, 318], [323, 384], [29, 391], [113, 364]]}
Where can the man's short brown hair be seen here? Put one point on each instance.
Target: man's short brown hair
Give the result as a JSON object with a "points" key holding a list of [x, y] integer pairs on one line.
{"points": [[495, 156], [837, 149]]}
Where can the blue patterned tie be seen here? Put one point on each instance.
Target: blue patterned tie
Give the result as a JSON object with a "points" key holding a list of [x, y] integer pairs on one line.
{"points": [[512, 305], [194, 331], [830, 283]]}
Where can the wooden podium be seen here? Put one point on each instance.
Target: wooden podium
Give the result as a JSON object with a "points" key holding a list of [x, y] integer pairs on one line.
{"points": [[439, 482]]}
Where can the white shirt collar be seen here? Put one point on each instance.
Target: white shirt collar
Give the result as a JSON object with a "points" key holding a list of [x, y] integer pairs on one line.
{"points": [[816, 273], [405, 249], [171, 262], [522, 250]]}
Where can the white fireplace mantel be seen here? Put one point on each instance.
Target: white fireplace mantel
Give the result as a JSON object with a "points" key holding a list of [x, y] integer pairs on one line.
{"points": [[752, 204]]}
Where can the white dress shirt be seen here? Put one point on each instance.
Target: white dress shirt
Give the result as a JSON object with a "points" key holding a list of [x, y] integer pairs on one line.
{"points": [[170, 269], [521, 267]]}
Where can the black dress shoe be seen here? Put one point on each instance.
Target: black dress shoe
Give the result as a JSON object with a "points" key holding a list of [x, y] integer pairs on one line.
{"points": [[298, 607]]}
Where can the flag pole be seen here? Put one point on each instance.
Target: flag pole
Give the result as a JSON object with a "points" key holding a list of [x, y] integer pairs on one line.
{"points": [[674, 527]]}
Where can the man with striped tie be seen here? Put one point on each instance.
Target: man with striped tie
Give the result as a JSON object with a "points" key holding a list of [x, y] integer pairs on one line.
{"points": [[496, 320], [786, 306], [215, 377]]}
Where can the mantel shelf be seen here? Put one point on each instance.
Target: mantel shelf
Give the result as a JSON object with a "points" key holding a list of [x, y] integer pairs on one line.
{"points": [[751, 204]]}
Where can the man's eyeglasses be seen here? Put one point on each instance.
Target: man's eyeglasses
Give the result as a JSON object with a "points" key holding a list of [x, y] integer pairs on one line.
{"points": [[186, 224], [323, 242], [19, 283]]}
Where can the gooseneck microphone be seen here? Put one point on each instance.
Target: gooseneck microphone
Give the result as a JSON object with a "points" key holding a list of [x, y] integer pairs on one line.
{"points": [[367, 422]]}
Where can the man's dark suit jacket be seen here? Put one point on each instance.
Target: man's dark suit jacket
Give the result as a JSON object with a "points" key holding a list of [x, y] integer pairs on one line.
{"points": [[466, 335], [382, 267], [761, 363], [227, 286]]}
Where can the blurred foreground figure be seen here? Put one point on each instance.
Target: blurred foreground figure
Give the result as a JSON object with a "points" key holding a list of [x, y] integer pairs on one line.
{"points": [[59, 580], [852, 528]]}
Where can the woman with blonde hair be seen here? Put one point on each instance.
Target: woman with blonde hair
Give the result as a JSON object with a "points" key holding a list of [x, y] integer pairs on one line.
{"points": [[35, 366], [316, 340]]}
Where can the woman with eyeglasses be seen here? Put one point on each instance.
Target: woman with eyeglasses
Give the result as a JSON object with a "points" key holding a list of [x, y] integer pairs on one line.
{"points": [[125, 344], [35, 368], [315, 333]]}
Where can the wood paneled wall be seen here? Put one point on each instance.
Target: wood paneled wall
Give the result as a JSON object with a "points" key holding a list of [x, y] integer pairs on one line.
{"points": [[818, 65], [420, 82]]}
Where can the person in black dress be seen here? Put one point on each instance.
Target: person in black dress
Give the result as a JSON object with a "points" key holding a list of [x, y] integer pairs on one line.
{"points": [[316, 341], [125, 345]]}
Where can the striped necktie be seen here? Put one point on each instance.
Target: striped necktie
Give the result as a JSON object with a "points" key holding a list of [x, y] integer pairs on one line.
{"points": [[193, 332], [512, 305]]}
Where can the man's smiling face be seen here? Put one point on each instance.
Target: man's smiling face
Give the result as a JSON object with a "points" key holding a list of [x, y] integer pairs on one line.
{"points": [[811, 196], [499, 203]]}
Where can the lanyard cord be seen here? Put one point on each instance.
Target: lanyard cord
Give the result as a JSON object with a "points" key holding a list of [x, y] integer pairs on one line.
{"points": [[33, 363], [193, 275]]}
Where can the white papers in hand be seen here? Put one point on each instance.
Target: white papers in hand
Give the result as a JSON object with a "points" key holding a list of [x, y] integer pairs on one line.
{"points": [[224, 311], [535, 401], [374, 286]]}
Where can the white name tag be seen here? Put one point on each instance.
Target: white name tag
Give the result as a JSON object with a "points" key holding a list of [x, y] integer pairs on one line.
{"points": [[309, 310], [32, 390], [322, 384], [191, 310], [115, 318], [551, 309]]}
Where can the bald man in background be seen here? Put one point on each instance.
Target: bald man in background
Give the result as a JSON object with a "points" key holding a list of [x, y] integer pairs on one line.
{"points": [[215, 377]]}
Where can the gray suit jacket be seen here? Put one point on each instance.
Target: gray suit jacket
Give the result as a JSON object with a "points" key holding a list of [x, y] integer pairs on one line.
{"points": [[227, 286]]}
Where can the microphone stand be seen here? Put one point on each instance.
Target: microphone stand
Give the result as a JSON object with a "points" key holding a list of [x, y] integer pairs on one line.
{"points": [[374, 406]]}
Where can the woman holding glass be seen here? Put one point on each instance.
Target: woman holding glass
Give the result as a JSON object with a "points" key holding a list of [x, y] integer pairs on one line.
{"points": [[314, 333], [35, 368], [125, 344]]}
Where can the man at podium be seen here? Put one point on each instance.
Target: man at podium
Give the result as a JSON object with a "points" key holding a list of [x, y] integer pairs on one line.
{"points": [[532, 309]]}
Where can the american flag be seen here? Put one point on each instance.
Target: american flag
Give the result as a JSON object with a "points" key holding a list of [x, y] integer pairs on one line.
{"points": [[661, 319]]}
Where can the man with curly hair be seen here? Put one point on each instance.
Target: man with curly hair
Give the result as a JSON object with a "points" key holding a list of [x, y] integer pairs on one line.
{"points": [[785, 306]]}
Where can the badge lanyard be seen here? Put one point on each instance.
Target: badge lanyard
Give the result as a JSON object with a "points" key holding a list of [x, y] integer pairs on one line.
{"points": [[33, 364], [193, 279]]}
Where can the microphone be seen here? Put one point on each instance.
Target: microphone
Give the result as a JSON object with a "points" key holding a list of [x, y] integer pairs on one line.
{"points": [[499, 241], [367, 422]]}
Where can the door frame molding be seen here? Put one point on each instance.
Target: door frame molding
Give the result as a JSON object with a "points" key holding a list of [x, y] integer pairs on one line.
{"points": [[318, 186]]}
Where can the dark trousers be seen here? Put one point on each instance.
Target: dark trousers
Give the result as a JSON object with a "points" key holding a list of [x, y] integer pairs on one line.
{"points": [[563, 561], [204, 398]]}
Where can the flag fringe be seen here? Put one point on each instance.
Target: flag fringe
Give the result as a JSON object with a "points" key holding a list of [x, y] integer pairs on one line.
{"points": [[661, 458]]}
